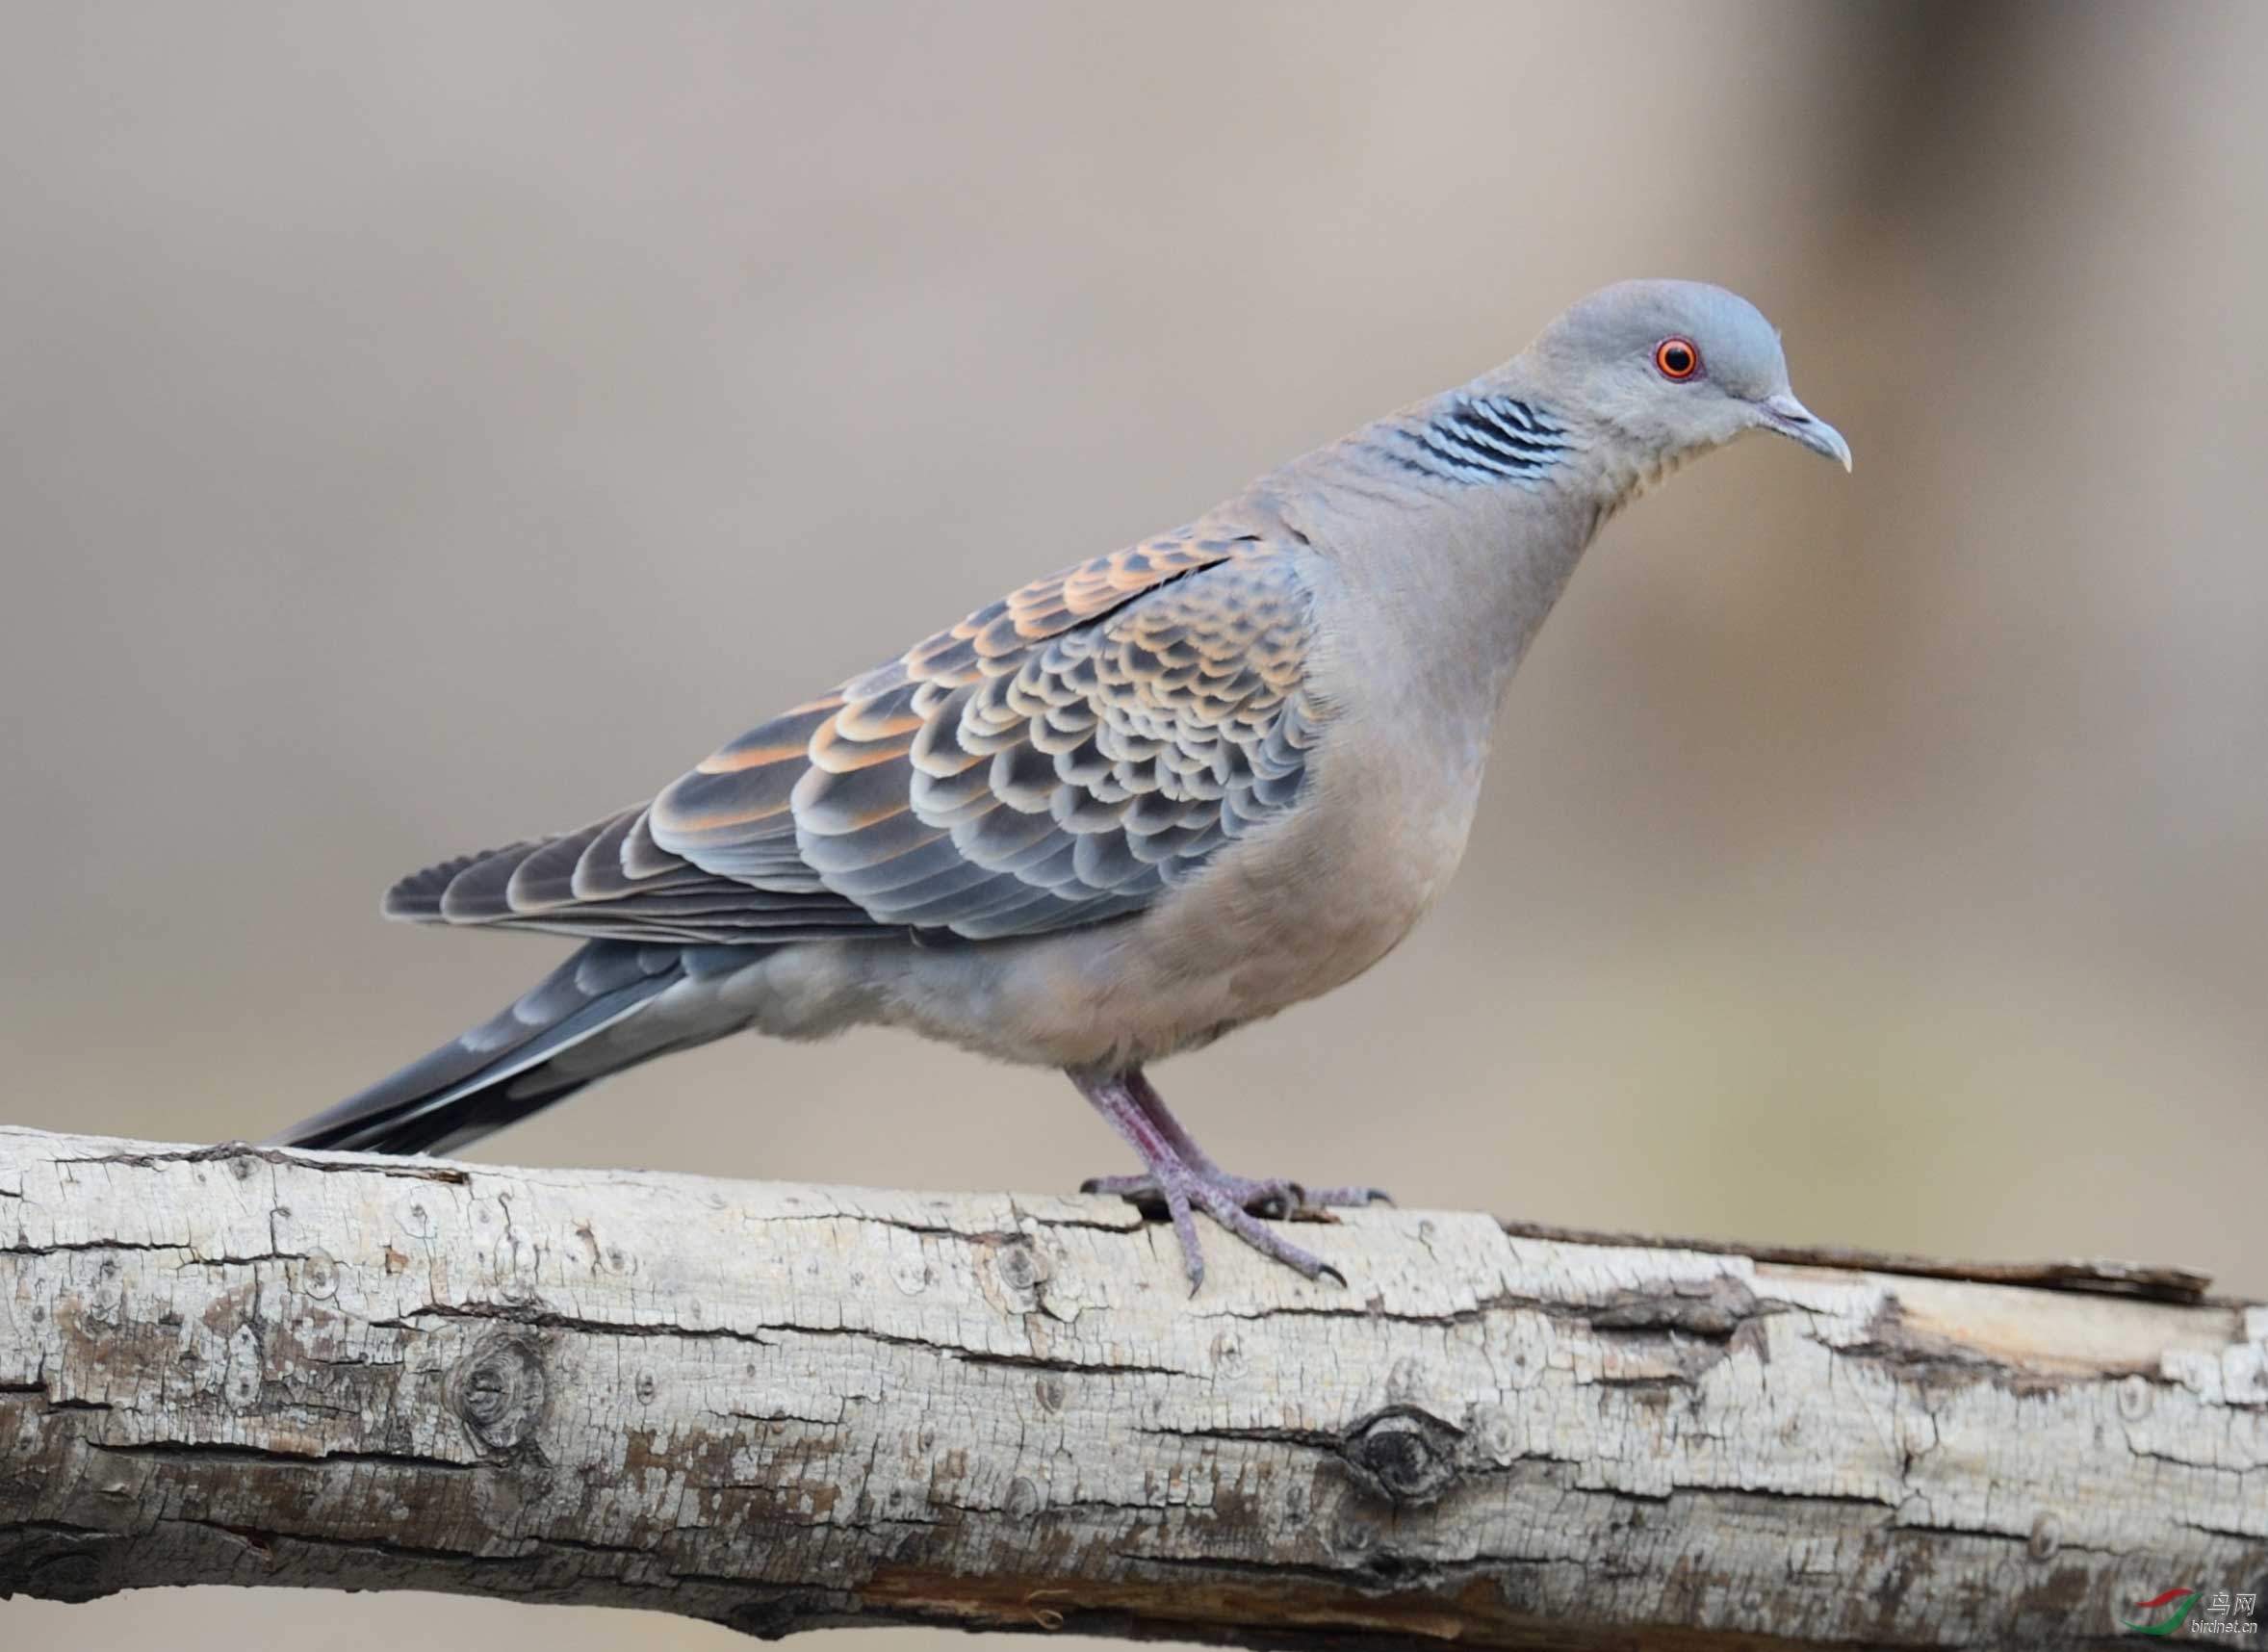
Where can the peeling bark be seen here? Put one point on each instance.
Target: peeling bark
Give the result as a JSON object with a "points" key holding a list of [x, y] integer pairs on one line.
{"points": [[781, 1408]]}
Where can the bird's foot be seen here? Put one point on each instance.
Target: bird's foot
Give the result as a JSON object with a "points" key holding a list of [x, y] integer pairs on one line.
{"points": [[1277, 1198], [1182, 1179], [1238, 1203], [1271, 1196]]}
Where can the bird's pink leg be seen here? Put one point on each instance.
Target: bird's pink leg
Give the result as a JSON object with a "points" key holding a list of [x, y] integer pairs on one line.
{"points": [[1280, 1194], [1273, 1196], [1262, 1196], [1181, 1187]]}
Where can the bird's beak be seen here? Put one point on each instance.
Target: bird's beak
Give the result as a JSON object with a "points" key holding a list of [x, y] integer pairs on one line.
{"points": [[1792, 418]]}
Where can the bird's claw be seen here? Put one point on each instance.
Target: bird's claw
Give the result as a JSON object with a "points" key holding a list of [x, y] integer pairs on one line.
{"points": [[1318, 1204], [1238, 1203]]}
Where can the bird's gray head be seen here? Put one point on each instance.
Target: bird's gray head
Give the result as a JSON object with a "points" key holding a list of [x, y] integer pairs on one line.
{"points": [[1664, 370]]}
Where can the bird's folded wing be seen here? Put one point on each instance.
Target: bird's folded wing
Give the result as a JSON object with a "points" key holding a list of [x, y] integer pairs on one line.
{"points": [[1057, 759]]}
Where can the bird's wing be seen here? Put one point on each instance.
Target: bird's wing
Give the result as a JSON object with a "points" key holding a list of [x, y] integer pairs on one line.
{"points": [[1056, 760]]}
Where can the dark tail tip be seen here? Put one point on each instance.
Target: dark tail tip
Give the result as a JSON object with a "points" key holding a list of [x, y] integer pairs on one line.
{"points": [[500, 1071]]}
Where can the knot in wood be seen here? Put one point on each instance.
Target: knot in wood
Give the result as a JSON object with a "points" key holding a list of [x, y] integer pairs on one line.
{"points": [[1019, 1269], [500, 1391], [1404, 1453]]}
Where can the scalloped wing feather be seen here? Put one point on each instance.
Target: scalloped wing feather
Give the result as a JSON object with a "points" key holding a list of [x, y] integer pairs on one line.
{"points": [[1058, 759]]}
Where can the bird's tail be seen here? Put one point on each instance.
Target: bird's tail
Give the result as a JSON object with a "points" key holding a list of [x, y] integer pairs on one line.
{"points": [[564, 1033]]}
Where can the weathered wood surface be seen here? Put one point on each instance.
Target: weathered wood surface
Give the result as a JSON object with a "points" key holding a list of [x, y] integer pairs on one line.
{"points": [[784, 1407]]}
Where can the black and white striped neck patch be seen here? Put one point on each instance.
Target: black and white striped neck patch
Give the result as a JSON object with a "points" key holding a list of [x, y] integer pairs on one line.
{"points": [[1482, 439]]}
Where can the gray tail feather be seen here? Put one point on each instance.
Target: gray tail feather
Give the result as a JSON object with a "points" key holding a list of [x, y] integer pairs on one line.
{"points": [[499, 1072]]}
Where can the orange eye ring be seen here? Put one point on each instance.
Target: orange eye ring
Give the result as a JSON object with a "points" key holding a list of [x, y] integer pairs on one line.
{"points": [[1676, 360]]}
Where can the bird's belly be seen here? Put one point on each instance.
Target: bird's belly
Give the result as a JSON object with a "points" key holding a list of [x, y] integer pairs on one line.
{"points": [[1302, 907]]}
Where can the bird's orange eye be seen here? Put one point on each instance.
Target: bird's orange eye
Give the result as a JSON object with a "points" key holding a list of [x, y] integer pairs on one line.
{"points": [[1677, 359]]}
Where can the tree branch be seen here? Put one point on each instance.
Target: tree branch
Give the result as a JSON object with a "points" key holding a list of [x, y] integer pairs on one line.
{"points": [[783, 1407]]}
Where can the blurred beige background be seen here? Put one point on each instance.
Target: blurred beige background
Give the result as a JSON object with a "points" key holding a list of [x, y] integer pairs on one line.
{"points": [[422, 425]]}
